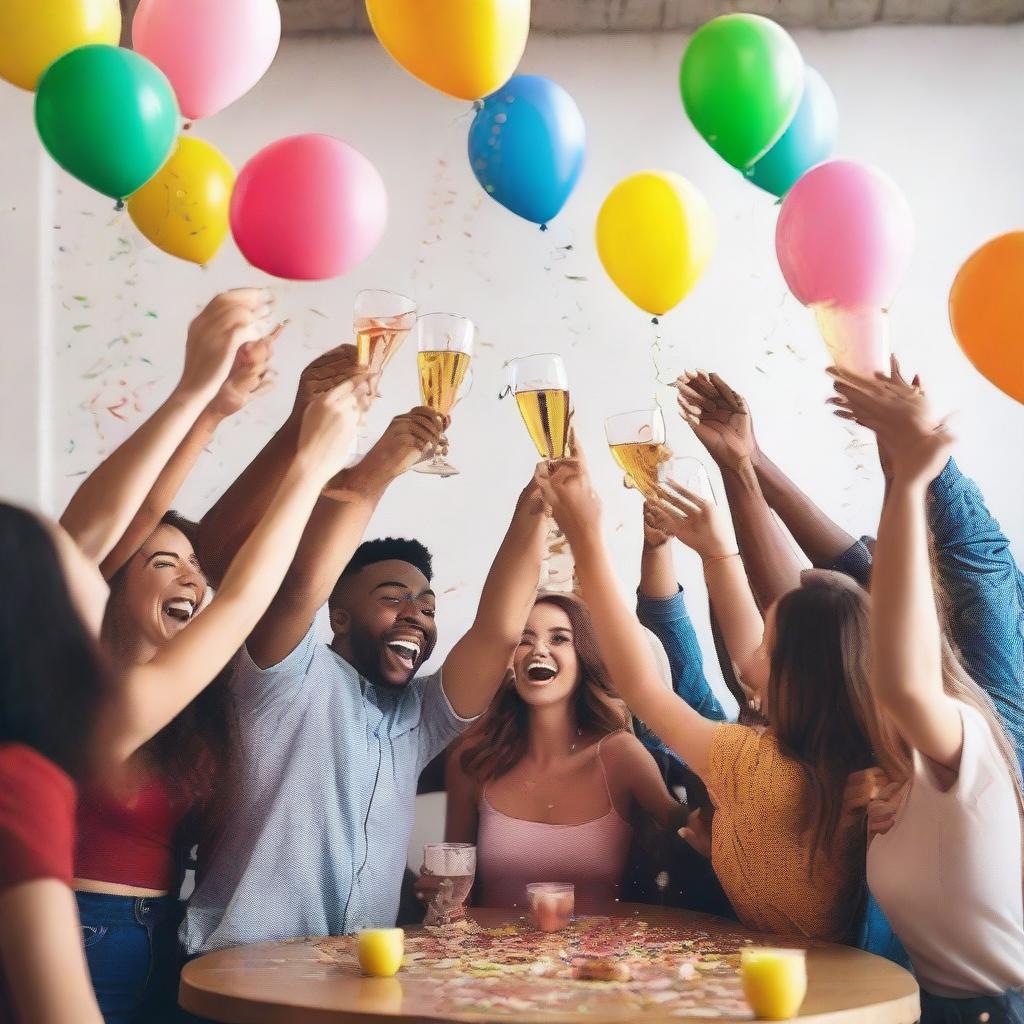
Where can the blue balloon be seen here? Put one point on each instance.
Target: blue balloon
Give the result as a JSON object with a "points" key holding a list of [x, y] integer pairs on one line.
{"points": [[809, 140], [527, 145]]}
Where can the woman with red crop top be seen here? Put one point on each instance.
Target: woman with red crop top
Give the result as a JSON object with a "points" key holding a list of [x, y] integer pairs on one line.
{"points": [[52, 678]]}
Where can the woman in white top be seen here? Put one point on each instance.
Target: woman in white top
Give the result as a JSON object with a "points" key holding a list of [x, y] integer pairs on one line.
{"points": [[948, 872]]}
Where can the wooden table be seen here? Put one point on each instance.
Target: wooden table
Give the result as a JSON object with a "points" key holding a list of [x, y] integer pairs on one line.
{"points": [[287, 983]]}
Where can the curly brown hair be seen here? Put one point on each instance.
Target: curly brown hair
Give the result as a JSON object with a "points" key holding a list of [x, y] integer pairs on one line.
{"points": [[498, 741]]}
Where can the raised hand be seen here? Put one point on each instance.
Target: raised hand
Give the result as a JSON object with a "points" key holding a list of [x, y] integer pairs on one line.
{"points": [[409, 438], [916, 446], [215, 336], [719, 417], [697, 523], [329, 426], [327, 371], [654, 536], [569, 493], [250, 376]]}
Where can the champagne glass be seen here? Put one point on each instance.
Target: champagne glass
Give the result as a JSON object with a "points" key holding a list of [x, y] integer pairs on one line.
{"points": [[455, 865], [381, 320], [541, 387], [689, 473], [444, 343], [637, 443]]}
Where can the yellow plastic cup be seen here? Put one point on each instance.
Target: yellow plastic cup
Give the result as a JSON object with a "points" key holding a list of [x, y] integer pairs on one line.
{"points": [[381, 951], [774, 981]]}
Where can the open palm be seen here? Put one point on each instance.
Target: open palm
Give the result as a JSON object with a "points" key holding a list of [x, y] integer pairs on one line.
{"points": [[719, 417]]}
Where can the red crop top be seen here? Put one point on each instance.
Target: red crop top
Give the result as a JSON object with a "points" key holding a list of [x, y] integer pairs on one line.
{"points": [[128, 842], [37, 817]]}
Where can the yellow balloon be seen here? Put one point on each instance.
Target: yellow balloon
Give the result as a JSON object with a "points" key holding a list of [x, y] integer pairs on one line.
{"points": [[655, 236], [465, 48], [184, 208], [34, 33]]}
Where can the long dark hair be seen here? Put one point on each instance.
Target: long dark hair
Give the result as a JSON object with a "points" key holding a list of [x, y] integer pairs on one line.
{"points": [[53, 677], [499, 740], [819, 699], [196, 753]]}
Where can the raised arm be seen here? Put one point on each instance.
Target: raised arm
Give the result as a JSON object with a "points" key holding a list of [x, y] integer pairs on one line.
{"points": [[335, 530], [110, 497], [906, 636], [151, 695], [226, 525], [476, 665], [621, 640], [702, 526], [661, 608], [721, 420], [248, 378]]}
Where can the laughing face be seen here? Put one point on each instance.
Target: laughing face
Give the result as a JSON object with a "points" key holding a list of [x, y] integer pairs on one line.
{"points": [[547, 669], [162, 587], [383, 622]]}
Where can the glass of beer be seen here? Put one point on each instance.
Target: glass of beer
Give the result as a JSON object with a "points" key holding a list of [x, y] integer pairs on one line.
{"points": [[444, 343], [637, 443], [454, 864], [541, 387]]}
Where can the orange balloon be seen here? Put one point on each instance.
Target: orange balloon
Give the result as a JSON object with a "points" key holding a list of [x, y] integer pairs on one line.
{"points": [[986, 311]]}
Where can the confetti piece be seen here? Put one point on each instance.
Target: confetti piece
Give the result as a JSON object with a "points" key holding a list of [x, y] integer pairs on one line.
{"points": [[576, 277], [318, 313], [151, 315], [81, 327]]}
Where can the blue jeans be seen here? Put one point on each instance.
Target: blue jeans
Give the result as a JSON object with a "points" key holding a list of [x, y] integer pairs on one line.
{"points": [[131, 948], [1005, 1009]]}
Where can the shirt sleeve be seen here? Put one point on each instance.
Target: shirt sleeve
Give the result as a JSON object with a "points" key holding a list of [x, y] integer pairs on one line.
{"points": [[984, 588], [37, 812], [439, 723], [256, 687], [668, 619]]}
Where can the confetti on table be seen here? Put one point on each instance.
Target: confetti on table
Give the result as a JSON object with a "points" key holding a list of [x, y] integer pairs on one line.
{"points": [[517, 970]]}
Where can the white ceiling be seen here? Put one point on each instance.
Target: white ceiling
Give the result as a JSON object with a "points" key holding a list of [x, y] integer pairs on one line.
{"points": [[332, 16]]}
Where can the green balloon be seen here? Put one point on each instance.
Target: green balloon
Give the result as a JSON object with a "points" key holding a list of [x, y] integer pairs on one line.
{"points": [[108, 116], [742, 78]]}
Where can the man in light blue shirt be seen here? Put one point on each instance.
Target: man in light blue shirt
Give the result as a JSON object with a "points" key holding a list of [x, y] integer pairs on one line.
{"points": [[333, 738]]}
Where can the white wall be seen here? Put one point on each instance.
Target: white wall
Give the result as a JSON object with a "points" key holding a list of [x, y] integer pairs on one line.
{"points": [[939, 108]]}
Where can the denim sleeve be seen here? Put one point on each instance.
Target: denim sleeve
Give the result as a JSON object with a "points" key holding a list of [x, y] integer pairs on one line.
{"points": [[984, 593], [668, 620]]}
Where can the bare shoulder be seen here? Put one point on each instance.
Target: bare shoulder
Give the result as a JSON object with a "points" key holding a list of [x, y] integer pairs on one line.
{"points": [[623, 748]]}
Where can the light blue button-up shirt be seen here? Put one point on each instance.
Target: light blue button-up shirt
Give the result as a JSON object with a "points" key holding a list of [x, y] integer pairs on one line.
{"points": [[317, 833]]}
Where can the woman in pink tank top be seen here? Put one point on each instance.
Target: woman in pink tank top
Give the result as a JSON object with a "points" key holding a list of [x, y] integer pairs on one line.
{"points": [[550, 783]]}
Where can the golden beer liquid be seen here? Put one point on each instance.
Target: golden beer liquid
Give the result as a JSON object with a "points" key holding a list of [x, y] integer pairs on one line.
{"points": [[640, 462], [379, 338], [546, 415], [441, 377]]}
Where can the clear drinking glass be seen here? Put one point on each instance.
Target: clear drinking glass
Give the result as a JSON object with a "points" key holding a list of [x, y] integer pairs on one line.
{"points": [[381, 321], [637, 443], [444, 343], [455, 865], [552, 905], [541, 387]]}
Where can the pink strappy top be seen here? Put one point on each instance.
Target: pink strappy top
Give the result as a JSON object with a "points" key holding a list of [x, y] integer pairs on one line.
{"points": [[512, 852]]}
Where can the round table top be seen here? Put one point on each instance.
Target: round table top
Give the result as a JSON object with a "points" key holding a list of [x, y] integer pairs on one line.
{"points": [[295, 982]]}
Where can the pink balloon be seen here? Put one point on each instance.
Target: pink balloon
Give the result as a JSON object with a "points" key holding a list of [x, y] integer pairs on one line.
{"points": [[213, 51], [844, 236], [308, 207]]}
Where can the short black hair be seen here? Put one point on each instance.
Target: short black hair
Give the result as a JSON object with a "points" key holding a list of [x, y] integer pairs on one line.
{"points": [[389, 549], [188, 527]]}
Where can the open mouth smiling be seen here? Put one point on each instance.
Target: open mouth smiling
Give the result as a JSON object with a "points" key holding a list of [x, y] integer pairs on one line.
{"points": [[181, 609]]}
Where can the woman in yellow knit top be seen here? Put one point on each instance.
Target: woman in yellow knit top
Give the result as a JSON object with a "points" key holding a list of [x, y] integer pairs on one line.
{"points": [[788, 858]]}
